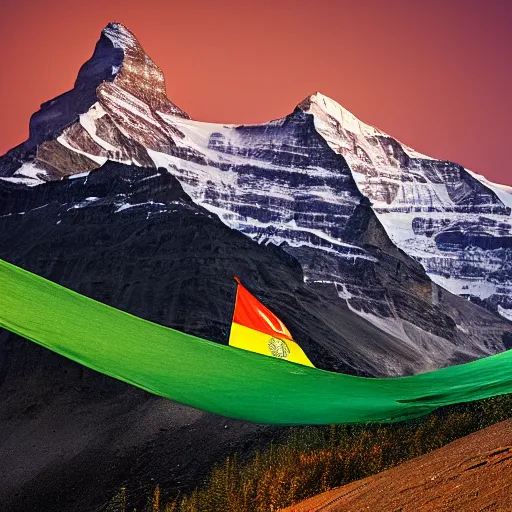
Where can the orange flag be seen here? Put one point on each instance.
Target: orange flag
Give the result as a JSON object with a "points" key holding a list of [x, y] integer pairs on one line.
{"points": [[257, 329]]}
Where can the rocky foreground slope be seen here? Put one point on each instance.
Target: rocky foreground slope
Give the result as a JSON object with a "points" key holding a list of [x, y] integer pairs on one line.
{"points": [[472, 474]]}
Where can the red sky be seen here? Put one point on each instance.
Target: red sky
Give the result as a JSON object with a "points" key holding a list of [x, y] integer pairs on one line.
{"points": [[435, 74]]}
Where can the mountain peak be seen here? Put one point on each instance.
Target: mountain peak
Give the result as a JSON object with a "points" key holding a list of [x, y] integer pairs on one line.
{"points": [[130, 67], [119, 70], [325, 109], [119, 35]]}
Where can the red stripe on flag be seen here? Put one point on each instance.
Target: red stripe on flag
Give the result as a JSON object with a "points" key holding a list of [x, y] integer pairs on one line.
{"points": [[250, 312]]}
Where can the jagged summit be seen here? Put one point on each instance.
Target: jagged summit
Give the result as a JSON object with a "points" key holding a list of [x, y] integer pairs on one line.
{"points": [[118, 63], [120, 35], [333, 118], [113, 112], [323, 107], [137, 73], [339, 125]]}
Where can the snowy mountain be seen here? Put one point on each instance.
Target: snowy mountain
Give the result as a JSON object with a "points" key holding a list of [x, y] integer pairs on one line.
{"points": [[359, 244], [111, 113], [454, 222], [355, 207]]}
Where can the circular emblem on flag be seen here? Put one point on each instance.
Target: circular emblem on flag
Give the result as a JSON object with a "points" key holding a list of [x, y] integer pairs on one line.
{"points": [[278, 348]]}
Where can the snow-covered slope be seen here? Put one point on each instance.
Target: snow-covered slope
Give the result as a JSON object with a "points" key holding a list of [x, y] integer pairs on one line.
{"points": [[305, 182], [454, 222]]}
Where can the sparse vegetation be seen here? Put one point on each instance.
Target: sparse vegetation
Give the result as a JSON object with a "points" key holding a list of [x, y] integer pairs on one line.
{"points": [[315, 459]]}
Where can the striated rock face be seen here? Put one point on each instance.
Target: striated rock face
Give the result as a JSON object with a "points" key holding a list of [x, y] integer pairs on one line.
{"points": [[454, 222], [117, 94]]}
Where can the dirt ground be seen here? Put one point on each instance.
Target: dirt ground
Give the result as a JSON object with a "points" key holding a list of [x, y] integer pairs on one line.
{"points": [[472, 474]]}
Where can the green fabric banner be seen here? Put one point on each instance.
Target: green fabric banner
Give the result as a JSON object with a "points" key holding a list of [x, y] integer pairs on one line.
{"points": [[222, 379]]}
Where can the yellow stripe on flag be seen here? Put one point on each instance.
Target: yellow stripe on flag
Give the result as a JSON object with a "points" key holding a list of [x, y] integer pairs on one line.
{"points": [[256, 341]]}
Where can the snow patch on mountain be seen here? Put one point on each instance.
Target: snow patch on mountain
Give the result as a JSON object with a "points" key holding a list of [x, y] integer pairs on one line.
{"points": [[126, 206], [506, 313], [28, 174], [504, 192]]}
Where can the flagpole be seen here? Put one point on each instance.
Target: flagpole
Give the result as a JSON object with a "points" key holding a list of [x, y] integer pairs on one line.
{"points": [[234, 306]]}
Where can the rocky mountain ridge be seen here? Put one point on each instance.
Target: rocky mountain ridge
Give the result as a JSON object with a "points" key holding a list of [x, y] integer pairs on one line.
{"points": [[293, 182], [455, 223]]}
